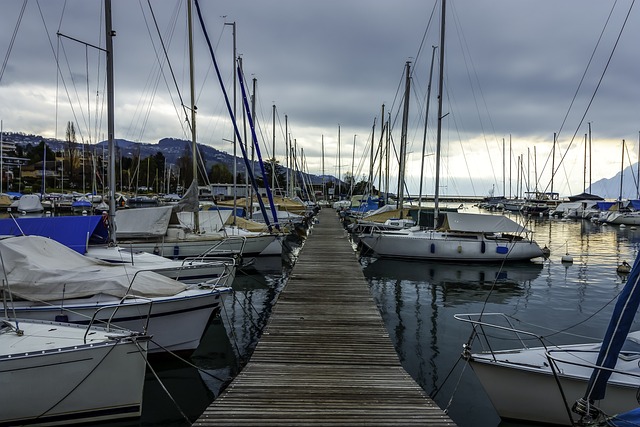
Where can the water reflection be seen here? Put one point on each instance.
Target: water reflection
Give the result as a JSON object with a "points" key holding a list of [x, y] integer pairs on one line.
{"points": [[418, 300]]}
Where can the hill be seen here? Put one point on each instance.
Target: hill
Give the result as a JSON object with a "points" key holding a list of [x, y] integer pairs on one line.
{"points": [[171, 149]]}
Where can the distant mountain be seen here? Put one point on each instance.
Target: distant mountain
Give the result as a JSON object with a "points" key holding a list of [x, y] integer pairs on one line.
{"points": [[171, 148], [609, 188]]}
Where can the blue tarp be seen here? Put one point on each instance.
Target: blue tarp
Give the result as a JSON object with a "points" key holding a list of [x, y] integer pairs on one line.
{"points": [[628, 419], [635, 204], [72, 231], [605, 206]]}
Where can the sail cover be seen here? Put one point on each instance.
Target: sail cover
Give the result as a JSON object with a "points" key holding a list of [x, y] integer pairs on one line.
{"points": [[619, 326], [480, 223], [72, 231], [41, 269], [143, 222]]}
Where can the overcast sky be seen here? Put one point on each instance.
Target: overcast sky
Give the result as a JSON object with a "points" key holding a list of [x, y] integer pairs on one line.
{"points": [[516, 72]]}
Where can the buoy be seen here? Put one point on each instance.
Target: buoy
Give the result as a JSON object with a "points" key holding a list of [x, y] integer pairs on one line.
{"points": [[624, 268], [566, 258], [546, 251], [623, 226]]}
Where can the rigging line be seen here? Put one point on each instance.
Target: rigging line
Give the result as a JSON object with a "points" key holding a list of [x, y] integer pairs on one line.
{"points": [[424, 35], [166, 55], [595, 91], [56, 57], [153, 88], [13, 39], [164, 388], [76, 93], [467, 59]]}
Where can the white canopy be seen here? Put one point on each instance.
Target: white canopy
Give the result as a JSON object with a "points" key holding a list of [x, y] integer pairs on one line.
{"points": [[481, 223], [41, 269]]}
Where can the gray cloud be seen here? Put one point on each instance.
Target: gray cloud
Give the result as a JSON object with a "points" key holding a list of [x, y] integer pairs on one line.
{"points": [[512, 69]]}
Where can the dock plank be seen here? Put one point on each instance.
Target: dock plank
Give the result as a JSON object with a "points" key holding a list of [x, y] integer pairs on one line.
{"points": [[325, 357]]}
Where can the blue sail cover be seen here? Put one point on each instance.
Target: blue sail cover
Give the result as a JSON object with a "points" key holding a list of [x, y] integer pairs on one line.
{"points": [[619, 325], [72, 231], [627, 419]]}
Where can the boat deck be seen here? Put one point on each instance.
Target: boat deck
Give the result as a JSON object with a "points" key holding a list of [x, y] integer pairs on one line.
{"points": [[325, 357]]}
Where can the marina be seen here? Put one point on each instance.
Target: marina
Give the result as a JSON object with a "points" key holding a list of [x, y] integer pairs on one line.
{"points": [[417, 301], [198, 283], [325, 356]]}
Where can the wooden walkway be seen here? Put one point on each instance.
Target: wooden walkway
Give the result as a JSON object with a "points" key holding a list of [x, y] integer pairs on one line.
{"points": [[325, 357]]}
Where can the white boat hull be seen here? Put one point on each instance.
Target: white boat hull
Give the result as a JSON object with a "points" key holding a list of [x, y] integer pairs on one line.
{"points": [[626, 218], [75, 383], [522, 389], [195, 246], [186, 271], [447, 246], [176, 323]]}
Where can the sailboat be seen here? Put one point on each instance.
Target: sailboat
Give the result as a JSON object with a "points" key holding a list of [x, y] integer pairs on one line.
{"points": [[55, 281], [460, 236], [560, 384], [58, 374]]}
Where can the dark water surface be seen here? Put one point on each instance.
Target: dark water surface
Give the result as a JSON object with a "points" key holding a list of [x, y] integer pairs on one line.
{"points": [[417, 301]]}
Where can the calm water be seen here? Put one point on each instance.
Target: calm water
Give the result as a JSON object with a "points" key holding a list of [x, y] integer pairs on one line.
{"points": [[417, 301]]}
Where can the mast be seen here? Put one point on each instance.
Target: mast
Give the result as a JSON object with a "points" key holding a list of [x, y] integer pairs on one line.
{"points": [[109, 33], [584, 172], [339, 177], [621, 171], [194, 145], [373, 132], [510, 165], [381, 154], [424, 135], [235, 138], [553, 162], [403, 138], [353, 160], [504, 168], [386, 172], [436, 209], [273, 151], [286, 147], [324, 196]]}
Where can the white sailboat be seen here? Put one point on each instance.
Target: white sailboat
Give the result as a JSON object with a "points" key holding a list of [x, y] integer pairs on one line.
{"points": [[461, 237], [55, 282], [218, 270], [560, 384], [163, 232], [58, 374]]}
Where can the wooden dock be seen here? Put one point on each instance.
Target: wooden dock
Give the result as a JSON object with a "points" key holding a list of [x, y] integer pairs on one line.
{"points": [[325, 357]]}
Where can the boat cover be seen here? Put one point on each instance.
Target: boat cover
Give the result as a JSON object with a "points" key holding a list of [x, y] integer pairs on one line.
{"points": [[211, 221], [469, 222], [607, 206], [41, 269], [584, 196], [626, 419], [143, 222], [29, 203], [72, 231]]}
